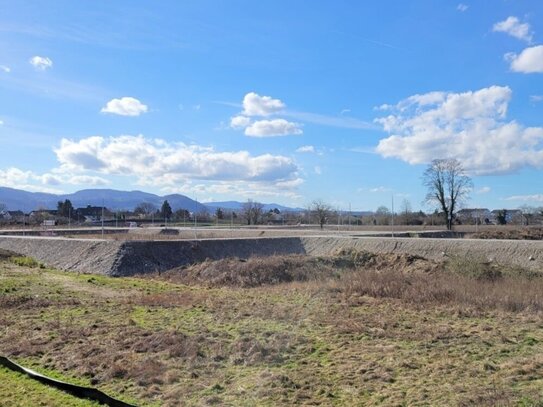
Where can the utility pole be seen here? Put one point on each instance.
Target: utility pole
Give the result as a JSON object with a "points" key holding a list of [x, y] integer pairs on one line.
{"points": [[349, 216], [195, 210], [102, 218], [69, 217], [392, 215]]}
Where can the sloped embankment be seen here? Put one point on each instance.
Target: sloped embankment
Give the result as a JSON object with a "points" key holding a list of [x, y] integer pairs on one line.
{"points": [[119, 258]]}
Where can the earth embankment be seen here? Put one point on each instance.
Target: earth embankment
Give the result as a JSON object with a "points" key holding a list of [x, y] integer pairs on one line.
{"points": [[123, 258]]}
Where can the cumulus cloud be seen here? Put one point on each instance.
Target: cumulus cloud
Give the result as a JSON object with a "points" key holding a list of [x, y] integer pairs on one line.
{"points": [[41, 63], [305, 149], [125, 106], [256, 105], [530, 60], [246, 189], [272, 128], [158, 161], [239, 122], [87, 180], [536, 98], [469, 126], [5, 68], [514, 28], [462, 7], [16, 178]]}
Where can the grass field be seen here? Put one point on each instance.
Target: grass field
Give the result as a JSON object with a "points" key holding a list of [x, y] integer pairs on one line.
{"points": [[356, 329]]}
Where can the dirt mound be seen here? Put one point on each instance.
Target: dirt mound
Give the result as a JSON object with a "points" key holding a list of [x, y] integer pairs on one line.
{"points": [[401, 262], [258, 271], [526, 233], [255, 271]]}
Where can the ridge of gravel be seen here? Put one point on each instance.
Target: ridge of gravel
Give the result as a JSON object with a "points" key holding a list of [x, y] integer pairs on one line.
{"points": [[118, 258]]}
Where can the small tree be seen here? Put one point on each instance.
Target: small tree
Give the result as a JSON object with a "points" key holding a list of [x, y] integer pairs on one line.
{"points": [[219, 214], [145, 209], [65, 209], [448, 186], [166, 210], [320, 211], [406, 212], [501, 217], [251, 211], [382, 215], [181, 214]]}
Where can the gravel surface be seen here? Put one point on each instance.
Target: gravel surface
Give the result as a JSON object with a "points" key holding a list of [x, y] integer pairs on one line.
{"points": [[120, 258]]}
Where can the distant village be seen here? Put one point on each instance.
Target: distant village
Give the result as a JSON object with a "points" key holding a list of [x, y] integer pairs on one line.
{"points": [[252, 214]]}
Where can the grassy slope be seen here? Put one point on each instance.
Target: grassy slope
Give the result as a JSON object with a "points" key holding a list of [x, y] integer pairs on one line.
{"points": [[17, 390], [159, 343]]}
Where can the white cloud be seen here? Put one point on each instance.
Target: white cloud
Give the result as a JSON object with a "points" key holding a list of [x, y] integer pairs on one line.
{"points": [[158, 162], [469, 126], [125, 106], [1, 122], [536, 98], [41, 63], [272, 128], [462, 7], [239, 122], [514, 28], [256, 105], [318, 170], [526, 198], [5, 68], [483, 190], [16, 178], [305, 149], [530, 60], [87, 180], [380, 189]]}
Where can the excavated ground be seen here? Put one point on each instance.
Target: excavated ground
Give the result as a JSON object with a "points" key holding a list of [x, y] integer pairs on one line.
{"points": [[123, 258]]}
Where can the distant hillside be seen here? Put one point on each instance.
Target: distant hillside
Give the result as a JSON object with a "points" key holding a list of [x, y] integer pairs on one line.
{"points": [[17, 199], [235, 205]]}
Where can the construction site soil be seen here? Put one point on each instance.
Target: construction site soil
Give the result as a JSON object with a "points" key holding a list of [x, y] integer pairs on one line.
{"points": [[124, 258]]}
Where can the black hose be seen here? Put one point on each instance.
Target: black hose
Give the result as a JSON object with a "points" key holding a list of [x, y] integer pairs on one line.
{"points": [[75, 390]]}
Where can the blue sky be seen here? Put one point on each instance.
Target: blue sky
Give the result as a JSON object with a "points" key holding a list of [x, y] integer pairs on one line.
{"points": [[278, 101]]}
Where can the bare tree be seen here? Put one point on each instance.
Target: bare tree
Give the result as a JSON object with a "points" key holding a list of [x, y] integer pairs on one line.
{"points": [[252, 211], [257, 212], [320, 211], [145, 209], [406, 211], [448, 186], [382, 215]]}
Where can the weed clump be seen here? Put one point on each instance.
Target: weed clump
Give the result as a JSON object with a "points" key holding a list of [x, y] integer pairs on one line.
{"points": [[25, 261]]}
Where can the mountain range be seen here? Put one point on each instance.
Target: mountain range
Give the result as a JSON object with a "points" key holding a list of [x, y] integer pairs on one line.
{"points": [[18, 199]]}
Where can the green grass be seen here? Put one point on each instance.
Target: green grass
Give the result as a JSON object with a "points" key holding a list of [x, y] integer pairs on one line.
{"points": [[17, 390], [154, 342]]}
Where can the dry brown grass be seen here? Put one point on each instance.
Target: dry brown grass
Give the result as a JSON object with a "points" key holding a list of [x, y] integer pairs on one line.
{"points": [[512, 233], [382, 330], [514, 294]]}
